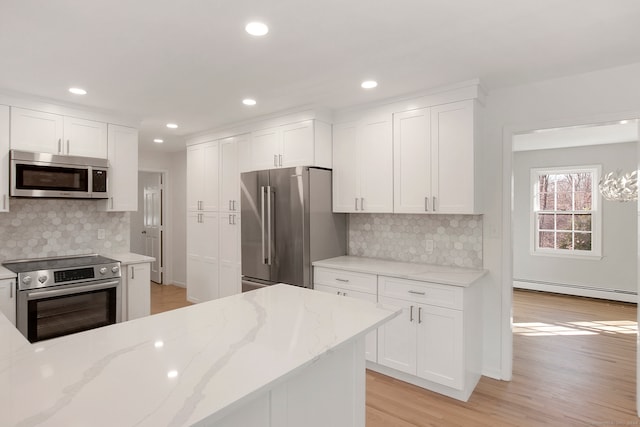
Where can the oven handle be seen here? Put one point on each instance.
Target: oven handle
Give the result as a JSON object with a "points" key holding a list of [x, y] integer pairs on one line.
{"points": [[70, 291]]}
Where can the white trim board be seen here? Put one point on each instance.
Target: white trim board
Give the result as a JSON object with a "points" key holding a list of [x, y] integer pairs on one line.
{"points": [[577, 290]]}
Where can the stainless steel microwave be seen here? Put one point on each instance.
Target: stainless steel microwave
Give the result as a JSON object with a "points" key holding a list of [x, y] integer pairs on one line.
{"points": [[50, 175]]}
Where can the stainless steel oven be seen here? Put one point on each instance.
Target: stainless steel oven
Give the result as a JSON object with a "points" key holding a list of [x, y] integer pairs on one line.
{"points": [[61, 296]]}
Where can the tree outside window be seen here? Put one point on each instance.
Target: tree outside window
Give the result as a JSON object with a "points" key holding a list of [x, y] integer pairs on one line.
{"points": [[565, 217]]}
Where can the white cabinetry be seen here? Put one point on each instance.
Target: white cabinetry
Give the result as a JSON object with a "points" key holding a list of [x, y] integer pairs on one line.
{"points": [[4, 158], [52, 133], [202, 177], [136, 291], [8, 299], [230, 163], [363, 165], [349, 284], [230, 254], [202, 256], [435, 160], [306, 143], [123, 170]]}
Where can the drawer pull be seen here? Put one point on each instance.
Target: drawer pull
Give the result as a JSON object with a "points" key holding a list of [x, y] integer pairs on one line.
{"points": [[411, 314], [339, 293], [342, 280], [417, 292], [419, 314]]}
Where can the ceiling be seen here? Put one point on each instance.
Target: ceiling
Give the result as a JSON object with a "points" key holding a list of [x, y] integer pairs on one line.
{"points": [[191, 62]]}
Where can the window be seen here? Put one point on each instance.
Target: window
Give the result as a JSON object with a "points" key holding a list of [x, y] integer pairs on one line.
{"points": [[566, 216]]}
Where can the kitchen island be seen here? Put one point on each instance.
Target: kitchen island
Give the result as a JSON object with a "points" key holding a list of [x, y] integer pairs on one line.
{"points": [[278, 356]]}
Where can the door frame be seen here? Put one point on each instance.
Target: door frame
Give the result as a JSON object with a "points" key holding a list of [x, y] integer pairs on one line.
{"points": [[507, 229], [166, 234]]}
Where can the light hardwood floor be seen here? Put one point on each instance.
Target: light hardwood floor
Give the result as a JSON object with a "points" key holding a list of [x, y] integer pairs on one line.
{"points": [[574, 365]]}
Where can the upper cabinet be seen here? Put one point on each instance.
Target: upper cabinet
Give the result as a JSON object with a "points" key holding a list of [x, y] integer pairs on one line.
{"points": [[52, 133], [363, 165], [4, 158], [306, 143], [202, 177], [435, 163], [232, 151], [123, 170]]}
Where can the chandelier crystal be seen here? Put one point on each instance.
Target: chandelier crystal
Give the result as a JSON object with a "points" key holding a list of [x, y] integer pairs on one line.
{"points": [[619, 187]]}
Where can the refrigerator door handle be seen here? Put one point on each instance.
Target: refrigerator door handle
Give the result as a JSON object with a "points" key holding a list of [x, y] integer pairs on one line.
{"points": [[262, 189], [269, 213]]}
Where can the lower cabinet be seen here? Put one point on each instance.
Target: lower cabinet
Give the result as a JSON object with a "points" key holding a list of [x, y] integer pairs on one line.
{"points": [[136, 291], [8, 299]]}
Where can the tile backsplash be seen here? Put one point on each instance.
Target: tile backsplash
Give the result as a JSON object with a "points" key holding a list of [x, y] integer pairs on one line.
{"points": [[457, 239], [57, 227]]}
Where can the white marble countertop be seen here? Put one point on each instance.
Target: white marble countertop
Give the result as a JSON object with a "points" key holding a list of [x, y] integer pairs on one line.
{"points": [[179, 367], [127, 258], [456, 276], [6, 273]]}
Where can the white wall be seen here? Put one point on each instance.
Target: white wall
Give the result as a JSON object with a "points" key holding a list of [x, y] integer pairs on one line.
{"points": [[174, 164], [585, 98], [615, 271]]}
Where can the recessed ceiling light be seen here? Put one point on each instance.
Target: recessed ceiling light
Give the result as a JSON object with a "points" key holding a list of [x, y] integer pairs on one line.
{"points": [[77, 91], [257, 28], [158, 141], [172, 126], [249, 101], [369, 84], [624, 122]]}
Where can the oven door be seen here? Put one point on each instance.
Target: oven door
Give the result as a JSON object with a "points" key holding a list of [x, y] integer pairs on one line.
{"points": [[53, 312]]}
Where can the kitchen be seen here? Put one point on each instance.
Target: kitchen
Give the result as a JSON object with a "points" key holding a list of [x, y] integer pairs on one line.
{"points": [[590, 92]]}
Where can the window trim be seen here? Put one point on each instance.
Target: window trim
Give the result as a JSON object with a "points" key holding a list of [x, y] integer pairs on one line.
{"points": [[596, 213]]}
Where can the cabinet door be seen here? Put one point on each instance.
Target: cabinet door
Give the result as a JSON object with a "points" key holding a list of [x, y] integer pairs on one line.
{"points": [[297, 144], [123, 169], [8, 299], [230, 283], [36, 131], [244, 153], [439, 339], [345, 168], [375, 156], [84, 138], [229, 176], [138, 290], [265, 149], [202, 256], [412, 161], [211, 180], [452, 145], [397, 338], [195, 172], [4, 158]]}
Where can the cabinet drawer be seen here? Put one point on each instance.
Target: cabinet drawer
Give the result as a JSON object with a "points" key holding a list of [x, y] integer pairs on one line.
{"points": [[361, 282], [421, 292]]}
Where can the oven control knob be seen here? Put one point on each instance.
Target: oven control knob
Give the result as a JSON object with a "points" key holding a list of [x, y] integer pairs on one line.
{"points": [[26, 280], [103, 270], [115, 269], [42, 279]]}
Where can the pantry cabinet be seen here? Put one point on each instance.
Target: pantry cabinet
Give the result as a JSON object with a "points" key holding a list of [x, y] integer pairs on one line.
{"points": [[136, 292], [435, 160], [363, 165], [8, 299], [230, 164], [230, 254], [45, 132], [202, 256], [4, 158], [123, 170], [306, 143], [202, 177]]}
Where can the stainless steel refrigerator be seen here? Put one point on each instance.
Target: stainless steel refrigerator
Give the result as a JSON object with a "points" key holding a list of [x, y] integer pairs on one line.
{"points": [[287, 223]]}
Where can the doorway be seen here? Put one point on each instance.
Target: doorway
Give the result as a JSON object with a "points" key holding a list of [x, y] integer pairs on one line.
{"points": [[147, 224]]}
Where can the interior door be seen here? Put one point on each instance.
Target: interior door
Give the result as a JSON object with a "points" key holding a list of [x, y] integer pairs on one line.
{"points": [[151, 184]]}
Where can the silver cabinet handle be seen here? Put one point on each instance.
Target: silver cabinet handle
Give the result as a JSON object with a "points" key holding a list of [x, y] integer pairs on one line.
{"points": [[230, 205], [275, 160], [411, 314], [419, 314], [434, 203], [416, 292], [280, 159], [342, 280], [426, 204], [133, 272], [234, 205], [230, 219], [362, 203], [111, 202], [67, 146], [356, 199], [11, 285], [59, 145], [4, 201], [344, 294]]}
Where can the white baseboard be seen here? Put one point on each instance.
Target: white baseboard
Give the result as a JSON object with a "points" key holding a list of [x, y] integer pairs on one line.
{"points": [[180, 284], [610, 294]]}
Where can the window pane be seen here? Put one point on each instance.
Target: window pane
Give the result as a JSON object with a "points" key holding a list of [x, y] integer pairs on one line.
{"points": [[546, 202], [565, 183], [583, 201], [583, 222], [545, 239], [563, 222], [583, 182], [564, 202], [564, 241], [583, 241], [545, 221]]}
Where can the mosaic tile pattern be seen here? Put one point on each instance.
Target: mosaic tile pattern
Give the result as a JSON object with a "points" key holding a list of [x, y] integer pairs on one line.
{"points": [[38, 228], [457, 239]]}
